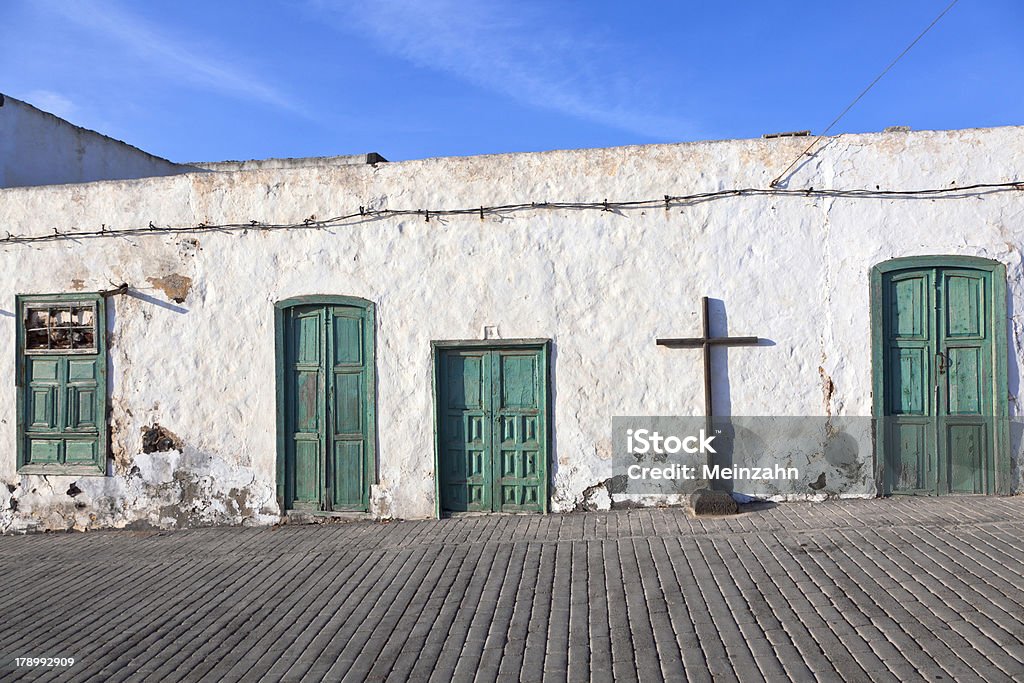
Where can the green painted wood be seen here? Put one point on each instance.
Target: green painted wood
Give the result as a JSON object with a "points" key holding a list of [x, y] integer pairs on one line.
{"points": [[938, 337], [492, 429], [909, 341], [519, 427], [465, 433], [965, 389], [62, 397], [1001, 423], [347, 401], [326, 439], [306, 406]]}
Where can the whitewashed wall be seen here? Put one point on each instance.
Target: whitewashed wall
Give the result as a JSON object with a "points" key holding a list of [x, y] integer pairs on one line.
{"points": [[38, 148], [602, 285]]}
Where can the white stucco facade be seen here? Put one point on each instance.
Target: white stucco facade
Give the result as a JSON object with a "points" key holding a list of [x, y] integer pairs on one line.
{"points": [[602, 285], [38, 148]]}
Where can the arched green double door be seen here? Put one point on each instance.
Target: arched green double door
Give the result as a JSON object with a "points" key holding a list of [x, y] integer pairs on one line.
{"points": [[325, 348], [940, 375]]}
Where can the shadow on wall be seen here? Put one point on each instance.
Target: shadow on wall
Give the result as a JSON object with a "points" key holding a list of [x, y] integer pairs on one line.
{"points": [[1013, 389], [552, 416], [136, 294], [112, 318], [721, 395]]}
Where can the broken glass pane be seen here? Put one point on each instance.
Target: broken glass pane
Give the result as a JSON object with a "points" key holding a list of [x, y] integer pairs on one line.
{"points": [[82, 316], [37, 318], [60, 328], [36, 339], [83, 339], [60, 317]]}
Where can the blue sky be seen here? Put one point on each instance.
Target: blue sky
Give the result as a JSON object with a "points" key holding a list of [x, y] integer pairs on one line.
{"points": [[193, 81]]}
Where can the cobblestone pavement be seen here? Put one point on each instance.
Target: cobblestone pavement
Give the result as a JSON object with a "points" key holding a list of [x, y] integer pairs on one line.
{"points": [[876, 590]]}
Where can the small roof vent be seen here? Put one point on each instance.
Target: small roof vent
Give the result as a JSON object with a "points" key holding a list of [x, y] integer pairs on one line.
{"points": [[790, 134]]}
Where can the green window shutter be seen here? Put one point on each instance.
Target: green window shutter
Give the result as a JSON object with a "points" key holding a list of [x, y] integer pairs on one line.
{"points": [[62, 401]]}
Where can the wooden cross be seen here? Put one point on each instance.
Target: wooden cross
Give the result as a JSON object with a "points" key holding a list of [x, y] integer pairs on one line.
{"points": [[706, 341]]}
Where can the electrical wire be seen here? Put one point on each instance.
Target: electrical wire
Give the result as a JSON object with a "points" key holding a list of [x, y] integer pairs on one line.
{"points": [[667, 202], [863, 92]]}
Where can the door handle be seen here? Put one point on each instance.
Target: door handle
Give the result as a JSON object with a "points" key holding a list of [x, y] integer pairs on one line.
{"points": [[942, 362]]}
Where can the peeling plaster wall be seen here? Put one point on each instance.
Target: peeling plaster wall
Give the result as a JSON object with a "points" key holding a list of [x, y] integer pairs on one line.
{"points": [[38, 148], [192, 344]]}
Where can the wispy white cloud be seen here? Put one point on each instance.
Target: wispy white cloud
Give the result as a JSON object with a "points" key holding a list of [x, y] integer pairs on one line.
{"points": [[175, 59], [53, 102], [517, 50]]}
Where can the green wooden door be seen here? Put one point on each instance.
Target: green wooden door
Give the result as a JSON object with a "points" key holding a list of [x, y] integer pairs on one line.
{"points": [[62, 384], [328, 407], [938, 380], [492, 429]]}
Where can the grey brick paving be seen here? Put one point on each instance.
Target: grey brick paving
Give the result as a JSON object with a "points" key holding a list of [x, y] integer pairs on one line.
{"points": [[878, 590]]}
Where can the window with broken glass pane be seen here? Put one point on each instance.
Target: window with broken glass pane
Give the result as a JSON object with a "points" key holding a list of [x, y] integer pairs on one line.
{"points": [[60, 328], [62, 399]]}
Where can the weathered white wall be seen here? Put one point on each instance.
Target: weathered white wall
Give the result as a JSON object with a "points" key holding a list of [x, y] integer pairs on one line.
{"points": [[38, 148], [602, 285]]}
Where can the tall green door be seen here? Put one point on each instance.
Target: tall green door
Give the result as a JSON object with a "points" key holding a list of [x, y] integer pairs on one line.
{"points": [[326, 395], [492, 428], [938, 380]]}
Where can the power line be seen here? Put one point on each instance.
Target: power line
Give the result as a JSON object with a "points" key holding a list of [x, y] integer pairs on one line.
{"points": [[863, 93], [666, 202]]}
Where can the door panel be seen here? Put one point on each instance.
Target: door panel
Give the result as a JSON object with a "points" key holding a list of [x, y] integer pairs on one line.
{"points": [[44, 369], [965, 388], [910, 395], [965, 305], [348, 338], [492, 429], [348, 475], [328, 356], [64, 397], [305, 408], [306, 463], [909, 310], [938, 380], [42, 408], [79, 452], [308, 335], [348, 395], [965, 444], [519, 411], [518, 381], [464, 381], [81, 404], [466, 434], [963, 381], [911, 447], [307, 400], [910, 370]]}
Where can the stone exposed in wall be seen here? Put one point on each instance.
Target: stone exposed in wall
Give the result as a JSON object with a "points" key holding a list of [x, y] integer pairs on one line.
{"points": [[175, 286], [157, 439], [165, 490]]}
